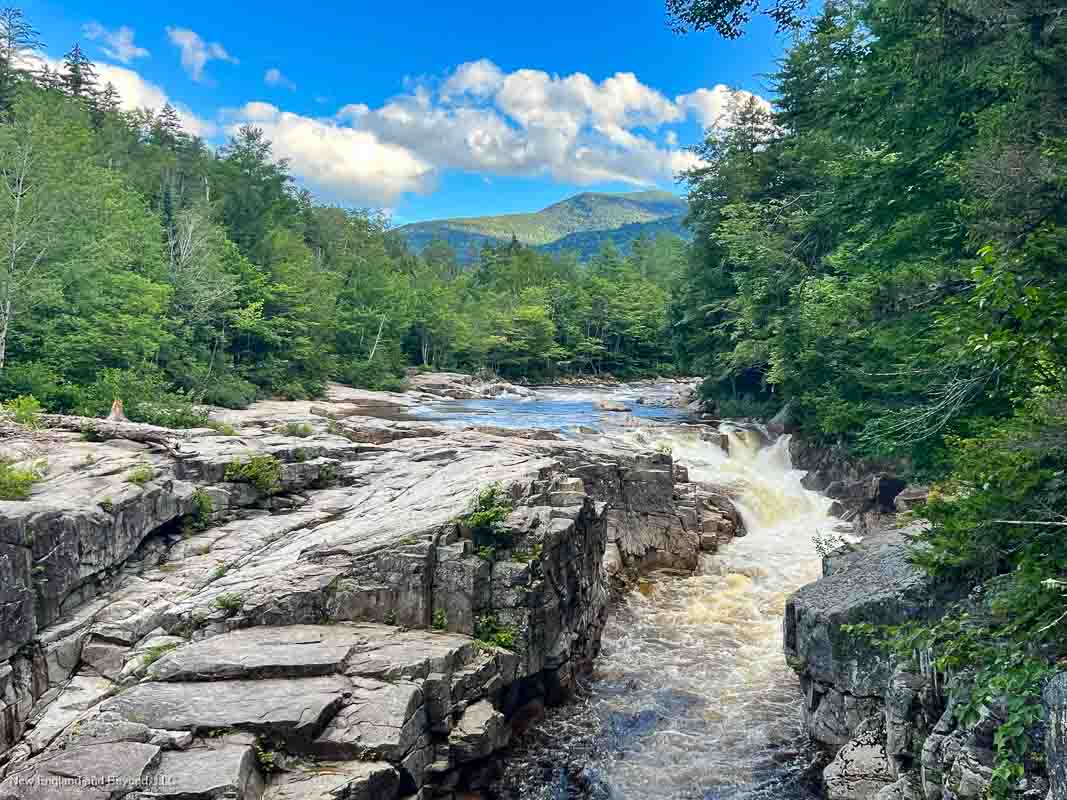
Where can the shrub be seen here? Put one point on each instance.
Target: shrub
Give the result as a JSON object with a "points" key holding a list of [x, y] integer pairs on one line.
{"points": [[487, 629], [484, 520], [107, 505], [141, 474], [263, 472], [199, 518], [440, 620], [229, 602], [146, 395], [15, 482], [379, 376], [24, 409], [153, 654], [301, 430]]}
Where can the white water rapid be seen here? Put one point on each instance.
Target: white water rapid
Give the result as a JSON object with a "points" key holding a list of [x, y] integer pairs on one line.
{"points": [[692, 686]]}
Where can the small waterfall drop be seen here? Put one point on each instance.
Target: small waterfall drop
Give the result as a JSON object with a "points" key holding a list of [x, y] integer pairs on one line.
{"points": [[692, 687]]}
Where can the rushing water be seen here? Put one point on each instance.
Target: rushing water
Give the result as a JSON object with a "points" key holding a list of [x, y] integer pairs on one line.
{"points": [[692, 683], [691, 697]]}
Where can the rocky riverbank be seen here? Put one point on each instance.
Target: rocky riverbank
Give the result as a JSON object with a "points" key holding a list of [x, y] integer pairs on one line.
{"points": [[890, 727], [296, 606]]}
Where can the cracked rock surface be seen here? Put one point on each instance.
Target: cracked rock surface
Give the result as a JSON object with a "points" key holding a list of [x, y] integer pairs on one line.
{"points": [[200, 636]]}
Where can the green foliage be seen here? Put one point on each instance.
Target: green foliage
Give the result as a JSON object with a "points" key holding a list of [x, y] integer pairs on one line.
{"points": [[267, 757], [230, 602], [440, 620], [199, 519], [488, 629], [107, 505], [225, 428], [24, 409], [263, 472], [141, 474], [16, 482], [153, 654], [484, 520], [300, 430]]}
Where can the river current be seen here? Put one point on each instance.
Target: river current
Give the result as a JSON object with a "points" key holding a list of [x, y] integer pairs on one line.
{"points": [[691, 698]]}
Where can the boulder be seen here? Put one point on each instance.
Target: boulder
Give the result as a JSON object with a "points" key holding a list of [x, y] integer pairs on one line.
{"points": [[481, 731]]}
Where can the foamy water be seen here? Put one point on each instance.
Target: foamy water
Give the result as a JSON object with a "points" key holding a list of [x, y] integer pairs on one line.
{"points": [[692, 685]]}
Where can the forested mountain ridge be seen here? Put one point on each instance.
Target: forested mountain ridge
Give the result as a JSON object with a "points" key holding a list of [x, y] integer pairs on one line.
{"points": [[582, 222]]}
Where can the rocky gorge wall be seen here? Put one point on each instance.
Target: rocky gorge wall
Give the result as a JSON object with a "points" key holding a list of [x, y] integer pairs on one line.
{"points": [[329, 632], [890, 728]]}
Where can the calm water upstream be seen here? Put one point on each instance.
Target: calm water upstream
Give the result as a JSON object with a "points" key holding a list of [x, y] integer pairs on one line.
{"points": [[691, 698]]}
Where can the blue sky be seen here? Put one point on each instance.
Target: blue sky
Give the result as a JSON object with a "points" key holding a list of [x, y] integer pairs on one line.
{"points": [[429, 108]]}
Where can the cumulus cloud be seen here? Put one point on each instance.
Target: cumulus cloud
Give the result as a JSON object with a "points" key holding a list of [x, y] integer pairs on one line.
{"points": [[343, 163], [714, 107], [196, 53], [481, 120], [274, 77], [117, 44]]}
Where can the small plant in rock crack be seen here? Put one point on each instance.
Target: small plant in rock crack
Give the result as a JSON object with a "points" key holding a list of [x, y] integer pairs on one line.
{"points": [[267, 757], [141, 474], [440, 620], [199, 519], [229, 602], [153, 654], [300, 430], [484, 520], [489, 630], [263, 472]]}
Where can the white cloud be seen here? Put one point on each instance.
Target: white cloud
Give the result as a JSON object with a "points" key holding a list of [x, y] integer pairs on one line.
{"points": [[274, 77], [117, 44], [340, 162], [196, 53], [714, 107], [478, 78], [484, 121]]}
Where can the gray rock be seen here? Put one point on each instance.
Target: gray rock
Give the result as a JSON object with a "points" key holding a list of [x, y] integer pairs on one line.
{"points": [[295, 651], [351, 780], [480, 732], [226, 772], [94, 772], [861, 768], [381, 721], [294, 710]]}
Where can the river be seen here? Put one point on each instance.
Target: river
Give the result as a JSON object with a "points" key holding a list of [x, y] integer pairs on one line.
{"points": [[691, 698]]}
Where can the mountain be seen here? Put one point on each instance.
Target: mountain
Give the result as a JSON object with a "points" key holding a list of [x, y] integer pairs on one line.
{"points": [[578, 223]]}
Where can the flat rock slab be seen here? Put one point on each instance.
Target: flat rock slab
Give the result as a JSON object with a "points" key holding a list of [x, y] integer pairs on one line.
{"points": [[207, 773], [294, 651], [295, 710], [347, 780], [382, 720], [79, 695], [95, 772]]}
